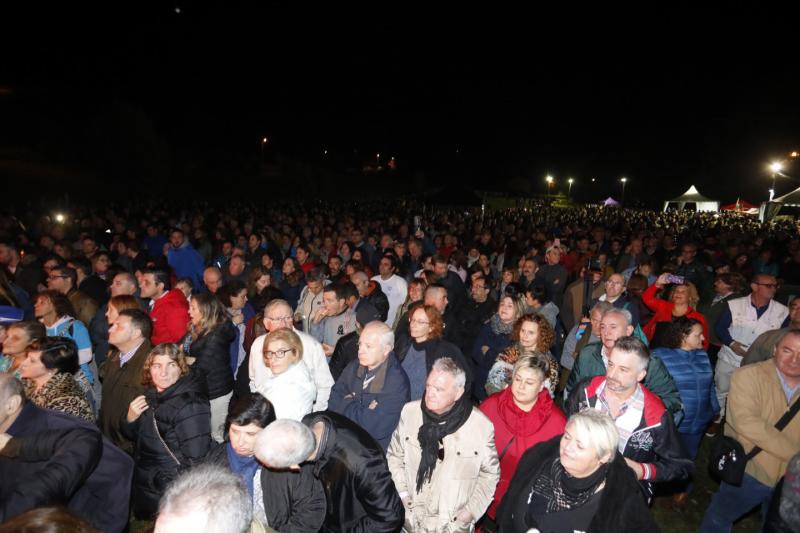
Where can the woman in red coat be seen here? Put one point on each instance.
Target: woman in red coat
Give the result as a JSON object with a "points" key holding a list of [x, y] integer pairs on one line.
{"points": [[523, 416], [683, 301]]}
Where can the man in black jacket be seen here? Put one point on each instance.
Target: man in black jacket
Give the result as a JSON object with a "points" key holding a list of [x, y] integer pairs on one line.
{"points": [[648, 439], [359, 490], [57, 459]]}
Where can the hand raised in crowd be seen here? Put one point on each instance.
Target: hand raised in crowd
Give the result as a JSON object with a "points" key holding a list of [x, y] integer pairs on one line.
{"points": [[136, 408]]}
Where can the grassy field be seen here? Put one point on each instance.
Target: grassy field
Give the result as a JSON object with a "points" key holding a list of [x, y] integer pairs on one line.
{"points": [[670, 520]]}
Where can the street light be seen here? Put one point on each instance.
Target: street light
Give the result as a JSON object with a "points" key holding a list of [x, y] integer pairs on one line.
{"points": [[624, 181], [549, 180], [776, 168], [569, 189], [264, 142]]}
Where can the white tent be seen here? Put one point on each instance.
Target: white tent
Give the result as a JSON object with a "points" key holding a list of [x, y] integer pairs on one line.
{"points": [[693, 196]]}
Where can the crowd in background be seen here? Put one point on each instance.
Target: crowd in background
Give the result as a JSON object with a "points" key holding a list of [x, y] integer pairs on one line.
{"points": [[385, 366]]}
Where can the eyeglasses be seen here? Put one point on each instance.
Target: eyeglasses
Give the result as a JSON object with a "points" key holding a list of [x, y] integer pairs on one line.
{"points": [[57, 277], [769, 285], [280, 318], [609, 282], [419, 322], [278, 354]]}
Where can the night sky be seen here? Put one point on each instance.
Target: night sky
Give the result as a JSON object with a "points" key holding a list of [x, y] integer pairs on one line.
{"points": [[493, 98]]}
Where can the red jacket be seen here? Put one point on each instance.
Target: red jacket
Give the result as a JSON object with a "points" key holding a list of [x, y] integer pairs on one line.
{"points": [[663, 313], [170, 315], [540, 424]]}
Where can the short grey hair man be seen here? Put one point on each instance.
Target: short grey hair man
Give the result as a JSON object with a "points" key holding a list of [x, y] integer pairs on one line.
{"points": [[206, 498], [285, 443], [448, 365], [386, 335], [621, 312]]}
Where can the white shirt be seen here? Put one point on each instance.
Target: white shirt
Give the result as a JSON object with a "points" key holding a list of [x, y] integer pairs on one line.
{"points": [[396, 290], [314, 359]]}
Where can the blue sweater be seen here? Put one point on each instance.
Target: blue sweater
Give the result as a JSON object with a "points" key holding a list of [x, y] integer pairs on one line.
{"points": [[694, 378]]}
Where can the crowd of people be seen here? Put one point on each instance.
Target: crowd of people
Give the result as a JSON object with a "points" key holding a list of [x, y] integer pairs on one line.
{"points": [[374, 367]]}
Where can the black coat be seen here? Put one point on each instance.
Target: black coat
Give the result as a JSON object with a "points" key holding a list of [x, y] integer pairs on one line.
{"points": [[294, 501], [471, 318], [59, 459], [360, 494], [183, 415], [213, 353], [346, 350], [379, 300], [621, 507]]}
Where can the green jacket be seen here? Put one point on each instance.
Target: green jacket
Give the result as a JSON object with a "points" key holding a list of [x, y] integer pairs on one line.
{"points": [[658, 379]]}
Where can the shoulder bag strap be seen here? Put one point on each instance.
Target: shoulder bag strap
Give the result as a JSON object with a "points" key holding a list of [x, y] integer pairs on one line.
{"points": [[779, 425], [503, 453], [158, 434]]}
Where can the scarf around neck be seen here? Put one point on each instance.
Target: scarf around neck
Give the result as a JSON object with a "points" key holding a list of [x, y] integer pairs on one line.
{"points": [[244, 467], [499, 327], [434, 428]]}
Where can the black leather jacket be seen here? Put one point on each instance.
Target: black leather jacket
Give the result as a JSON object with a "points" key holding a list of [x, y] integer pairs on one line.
{"points": [[361, 496]]}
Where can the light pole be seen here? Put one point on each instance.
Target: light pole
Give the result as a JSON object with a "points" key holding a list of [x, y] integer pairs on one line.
{"points": [[776, 168], [549, 180], [624, 181], [569, 189]]}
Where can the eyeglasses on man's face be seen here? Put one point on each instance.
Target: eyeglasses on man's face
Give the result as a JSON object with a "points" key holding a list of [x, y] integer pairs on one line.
{"points": [[280, 318]]}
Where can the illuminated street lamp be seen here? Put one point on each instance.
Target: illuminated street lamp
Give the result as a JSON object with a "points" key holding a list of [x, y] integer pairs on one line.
{"points": [[624, 181], [549, 180], [776, 168], [569, 189], [264, 142]]}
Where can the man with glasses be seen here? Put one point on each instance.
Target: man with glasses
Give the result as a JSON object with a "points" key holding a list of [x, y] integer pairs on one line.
{"points": [[740, 324], [278, 315], [615, 295], [65, 280]]}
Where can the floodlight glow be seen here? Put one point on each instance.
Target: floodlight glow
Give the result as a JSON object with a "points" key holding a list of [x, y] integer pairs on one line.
{"points": [[59, 217], [776, 167]]}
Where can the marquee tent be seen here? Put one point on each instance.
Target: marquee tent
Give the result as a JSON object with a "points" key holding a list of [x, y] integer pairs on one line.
{"points": [[693, 196]]}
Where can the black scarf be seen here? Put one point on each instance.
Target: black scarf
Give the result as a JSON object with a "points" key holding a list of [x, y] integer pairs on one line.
{"points": [[434, 428], [555, 490]]}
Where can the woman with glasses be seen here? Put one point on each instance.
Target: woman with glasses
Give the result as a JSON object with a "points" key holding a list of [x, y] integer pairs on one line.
{"points": [[683, 300], [169, 425], [423, 345], [288, 383], [47, 373]]}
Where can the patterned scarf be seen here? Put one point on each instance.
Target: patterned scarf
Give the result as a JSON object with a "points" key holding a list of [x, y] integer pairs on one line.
{"points": [[555, 490], [499, 327]]}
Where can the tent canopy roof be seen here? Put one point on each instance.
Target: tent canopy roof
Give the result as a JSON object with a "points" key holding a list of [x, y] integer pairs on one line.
{"points": [[793, 198], [692, 195]]}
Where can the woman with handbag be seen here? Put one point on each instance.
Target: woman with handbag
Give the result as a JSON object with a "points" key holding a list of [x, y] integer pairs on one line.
{"points": [[523, 415], [169, 424]]}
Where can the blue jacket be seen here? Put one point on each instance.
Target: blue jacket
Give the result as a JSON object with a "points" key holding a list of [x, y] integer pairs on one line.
{"points": [[187, 263], [691, 372], [389, 388]]}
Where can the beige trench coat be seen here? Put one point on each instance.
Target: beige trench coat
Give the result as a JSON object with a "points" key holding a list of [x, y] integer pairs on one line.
{"points": [[467, 478]]}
